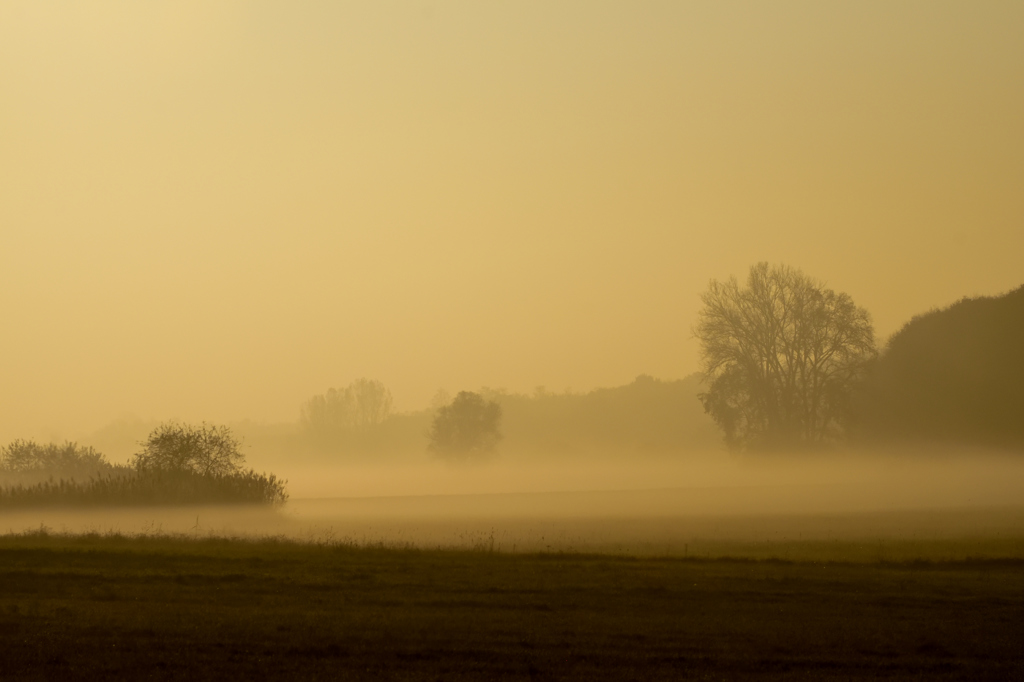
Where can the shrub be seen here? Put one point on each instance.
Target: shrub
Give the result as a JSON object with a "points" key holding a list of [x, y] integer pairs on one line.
{"points": [[26, 460], [179, 464]]}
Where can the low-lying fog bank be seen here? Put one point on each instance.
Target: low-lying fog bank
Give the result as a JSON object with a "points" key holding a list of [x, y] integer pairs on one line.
{"points": [[715, 484], [889, 508], [937, 534]]}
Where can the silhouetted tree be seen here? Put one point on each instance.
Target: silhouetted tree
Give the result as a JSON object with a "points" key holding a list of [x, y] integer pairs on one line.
{"points": [[780, 357], [204, 450], [361, 404], [467, 428]]}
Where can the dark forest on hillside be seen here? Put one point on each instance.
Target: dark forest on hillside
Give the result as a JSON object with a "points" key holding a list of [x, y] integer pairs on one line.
{"points": [[954, 375]]}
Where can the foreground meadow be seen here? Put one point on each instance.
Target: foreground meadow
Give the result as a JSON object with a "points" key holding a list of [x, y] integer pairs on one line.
{"points": [[114, 607]]}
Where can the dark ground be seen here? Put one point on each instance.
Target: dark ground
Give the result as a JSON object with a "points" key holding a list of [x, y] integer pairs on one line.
{"points": [[84, 608]]}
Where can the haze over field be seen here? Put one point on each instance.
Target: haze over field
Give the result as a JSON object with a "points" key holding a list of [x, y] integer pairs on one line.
{"points": [[463, 265], [873, 508], [213, 211], [507, 339]]}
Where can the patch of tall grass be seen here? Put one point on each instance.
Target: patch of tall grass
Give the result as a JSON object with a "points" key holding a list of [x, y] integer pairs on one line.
{"points": [[130, 487]]}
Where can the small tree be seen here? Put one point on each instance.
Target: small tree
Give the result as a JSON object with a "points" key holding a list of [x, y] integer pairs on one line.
{"points": [[466, 429], [780, 357], [204, 450]]}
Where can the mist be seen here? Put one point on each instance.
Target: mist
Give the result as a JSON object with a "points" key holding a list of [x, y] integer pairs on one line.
{"points": [[239, 215], [501, 340], [216, 213], [710, 505]]}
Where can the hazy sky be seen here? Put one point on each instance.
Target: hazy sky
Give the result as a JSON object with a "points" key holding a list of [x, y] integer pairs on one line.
{"points": [[215, 210]]}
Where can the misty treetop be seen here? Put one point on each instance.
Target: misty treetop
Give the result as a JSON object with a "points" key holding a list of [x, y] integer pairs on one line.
{"points": [[362, 404], [781, 356]]}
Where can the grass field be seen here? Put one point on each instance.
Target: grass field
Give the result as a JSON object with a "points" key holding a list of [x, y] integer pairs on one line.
{"points": [[114, 607]]}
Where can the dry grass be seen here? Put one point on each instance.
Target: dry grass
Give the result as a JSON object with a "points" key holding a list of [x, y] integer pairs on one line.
{"points": [[159, 607]]}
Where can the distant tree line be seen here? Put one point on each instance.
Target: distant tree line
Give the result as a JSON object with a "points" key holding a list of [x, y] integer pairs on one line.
{"points": [[646, 418], [178, 464], [788, 364]]}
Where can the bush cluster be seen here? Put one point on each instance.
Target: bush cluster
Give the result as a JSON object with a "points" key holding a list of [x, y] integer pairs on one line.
{"points": [[26, 461], [179, 464]]}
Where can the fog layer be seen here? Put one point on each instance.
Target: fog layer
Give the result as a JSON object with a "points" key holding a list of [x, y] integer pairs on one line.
{"points": [[712, 506]]}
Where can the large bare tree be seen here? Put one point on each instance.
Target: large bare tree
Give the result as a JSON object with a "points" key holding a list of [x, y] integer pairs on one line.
{"points": [[780, 357]]}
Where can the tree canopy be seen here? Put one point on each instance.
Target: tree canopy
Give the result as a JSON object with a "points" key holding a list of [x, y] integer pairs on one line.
{"points": [[206, 449], [467, 428], [780, 357]]}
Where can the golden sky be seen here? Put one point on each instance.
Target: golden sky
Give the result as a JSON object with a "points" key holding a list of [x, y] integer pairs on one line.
{"points": [[216, 210]]}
